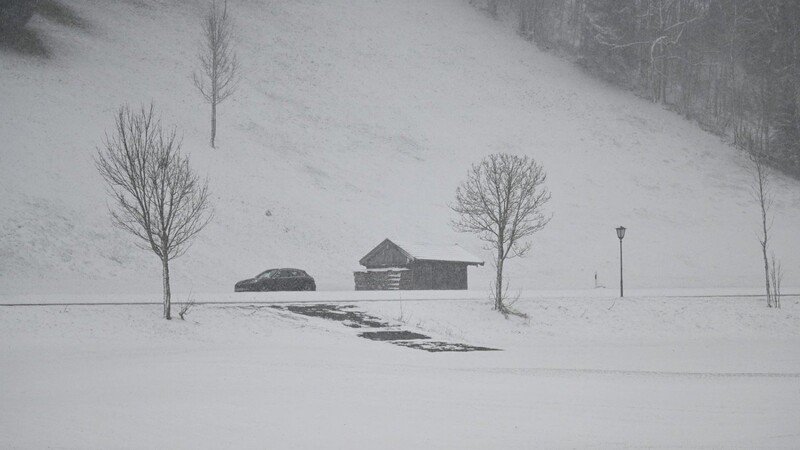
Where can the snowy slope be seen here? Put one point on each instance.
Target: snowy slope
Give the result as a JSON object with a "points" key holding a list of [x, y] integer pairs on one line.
{"points": [[354, 122]]}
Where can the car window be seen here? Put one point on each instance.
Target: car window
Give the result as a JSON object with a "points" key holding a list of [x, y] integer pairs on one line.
{"points": [[295, 273], [268, 274]]}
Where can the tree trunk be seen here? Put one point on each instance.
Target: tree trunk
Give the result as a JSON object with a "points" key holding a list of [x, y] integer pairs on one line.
{"points": [[498, 295], [167, 294], [213, 122], [765, 229], [766, 275], [766, 265]]}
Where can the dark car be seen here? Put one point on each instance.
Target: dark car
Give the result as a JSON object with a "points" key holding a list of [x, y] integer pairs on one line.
{"points": [[278, 280]]}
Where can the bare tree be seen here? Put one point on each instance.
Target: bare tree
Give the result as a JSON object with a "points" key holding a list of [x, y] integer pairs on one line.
{"points": [[156, 196], [775, 279], [502, 202], [760, 188], [219, 65], [656, 39], [720, 63], [186, 307]]}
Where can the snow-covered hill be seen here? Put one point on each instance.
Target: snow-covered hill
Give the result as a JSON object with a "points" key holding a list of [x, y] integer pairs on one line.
{"points": [[354, 122]]}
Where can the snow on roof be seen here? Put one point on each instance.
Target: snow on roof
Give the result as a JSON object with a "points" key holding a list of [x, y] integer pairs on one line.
{"points": [[438, 252], [381, 269]]}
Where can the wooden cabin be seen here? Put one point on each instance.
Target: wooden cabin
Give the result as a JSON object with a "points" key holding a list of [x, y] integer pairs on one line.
{"points": [[392, 266]]}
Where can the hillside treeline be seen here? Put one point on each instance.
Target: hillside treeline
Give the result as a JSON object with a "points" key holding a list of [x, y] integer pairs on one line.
{"points": [[731, 65]]}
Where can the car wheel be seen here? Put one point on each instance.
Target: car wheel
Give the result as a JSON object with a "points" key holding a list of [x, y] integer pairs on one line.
{"points": [[307, 287]]}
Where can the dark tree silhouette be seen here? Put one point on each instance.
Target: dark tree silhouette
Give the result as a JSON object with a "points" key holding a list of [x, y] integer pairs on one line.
{"points": [[502, 201], [156, 196], [14, 14], [219, 65]]}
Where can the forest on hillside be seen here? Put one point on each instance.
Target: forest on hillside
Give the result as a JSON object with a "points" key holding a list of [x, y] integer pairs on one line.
{"points": [[733, 66]]}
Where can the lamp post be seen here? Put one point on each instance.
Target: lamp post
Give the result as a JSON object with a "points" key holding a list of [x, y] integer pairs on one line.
{"points": [[620, 235]]}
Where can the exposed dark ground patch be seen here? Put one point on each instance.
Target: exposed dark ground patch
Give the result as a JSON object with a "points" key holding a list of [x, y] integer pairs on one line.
{"points": [[31, 42], [438, 346], [24, 42], [61, 13], [347, 314], [393, 335], [351, 317]]}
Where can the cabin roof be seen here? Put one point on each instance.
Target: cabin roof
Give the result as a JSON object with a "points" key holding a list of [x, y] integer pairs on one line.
{"points": [[429, 252]]}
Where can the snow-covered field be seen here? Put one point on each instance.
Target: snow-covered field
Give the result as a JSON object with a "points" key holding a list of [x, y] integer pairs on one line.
{"points": [[581, 372], [354, 122]]}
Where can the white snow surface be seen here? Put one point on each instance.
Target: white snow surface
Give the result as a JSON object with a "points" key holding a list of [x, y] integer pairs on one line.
{"points": [[438, 252], [355, 121], [581, 372]]}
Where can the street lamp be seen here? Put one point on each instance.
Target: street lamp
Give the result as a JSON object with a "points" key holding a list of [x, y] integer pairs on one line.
{"points": [[620, 235]]}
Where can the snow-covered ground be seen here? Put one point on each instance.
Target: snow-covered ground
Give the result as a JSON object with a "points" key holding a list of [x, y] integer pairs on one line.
{"points": [[581, 372], [354, 122]]}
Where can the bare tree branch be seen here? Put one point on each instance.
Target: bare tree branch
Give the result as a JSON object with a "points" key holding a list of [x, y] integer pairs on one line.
{"points": [[502, 202], [218, 75], [760, 189], [155, 195]]}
